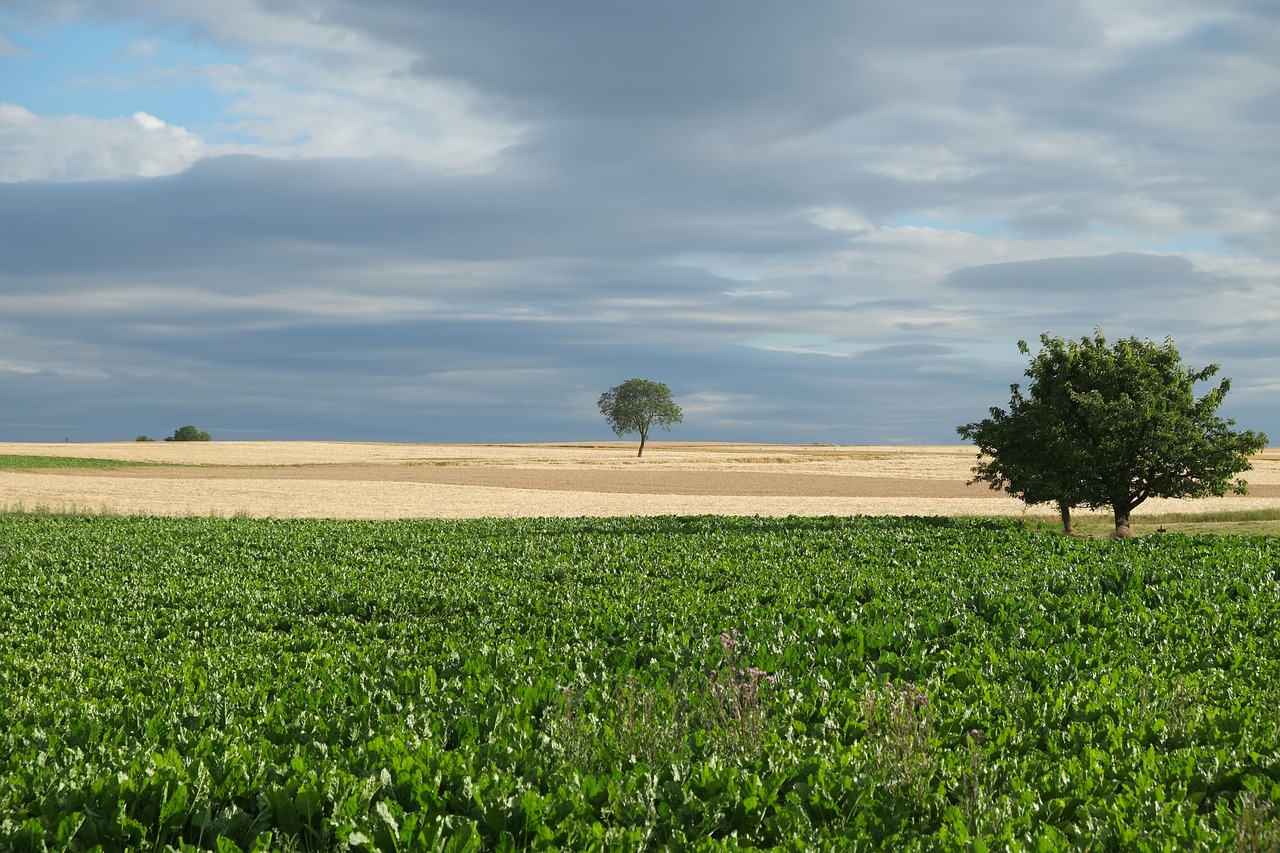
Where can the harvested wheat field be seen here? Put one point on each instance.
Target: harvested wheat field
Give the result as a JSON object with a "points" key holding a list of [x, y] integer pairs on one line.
{"points": [[302, 479]]}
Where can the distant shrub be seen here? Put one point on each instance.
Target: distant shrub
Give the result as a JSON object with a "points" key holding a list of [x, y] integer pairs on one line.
{"points": [[189, 433]]}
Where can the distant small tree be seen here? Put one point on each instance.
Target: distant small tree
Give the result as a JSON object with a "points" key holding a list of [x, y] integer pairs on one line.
{"points": [[144, 438], [638, 404], [188, 433]]}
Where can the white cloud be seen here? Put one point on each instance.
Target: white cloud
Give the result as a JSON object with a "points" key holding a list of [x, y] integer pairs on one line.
{"points": [[148, 122], [1138, 22], [915, 163], [723, 406], [13, 114], [304, 89], [372, 107], [79, 148]]}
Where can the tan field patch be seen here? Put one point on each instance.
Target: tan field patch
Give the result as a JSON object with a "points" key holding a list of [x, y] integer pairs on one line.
{"points": [[369, 480]]}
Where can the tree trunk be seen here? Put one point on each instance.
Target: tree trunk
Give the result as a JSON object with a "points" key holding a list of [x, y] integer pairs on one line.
{"points": [[1123, 530], [1064, 509], [642, 438]]}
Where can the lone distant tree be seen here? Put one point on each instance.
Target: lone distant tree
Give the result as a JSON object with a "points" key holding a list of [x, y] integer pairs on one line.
{"points": [[188, 433], [1111, 426], [638, 404]]}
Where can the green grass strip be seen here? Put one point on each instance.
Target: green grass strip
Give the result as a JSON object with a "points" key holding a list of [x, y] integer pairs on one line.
{"points": [[13, 462], [1259, 521]]}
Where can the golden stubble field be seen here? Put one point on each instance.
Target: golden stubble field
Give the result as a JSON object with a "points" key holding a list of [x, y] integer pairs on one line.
{"points": [[302, 479]]}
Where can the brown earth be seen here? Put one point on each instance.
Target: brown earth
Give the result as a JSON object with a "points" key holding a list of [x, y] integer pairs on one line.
{"points": [[360, 480]]}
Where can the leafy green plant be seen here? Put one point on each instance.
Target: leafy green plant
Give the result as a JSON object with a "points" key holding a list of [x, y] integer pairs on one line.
{"points": [[14, 462], [237, 684]]}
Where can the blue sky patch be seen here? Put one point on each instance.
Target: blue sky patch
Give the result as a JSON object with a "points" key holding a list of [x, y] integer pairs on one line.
{"points": [[106, 72]]}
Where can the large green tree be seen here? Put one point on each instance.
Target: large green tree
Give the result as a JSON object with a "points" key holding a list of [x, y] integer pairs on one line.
{"points": [[1111, 426], [637, 405], [188, 433], [1014, 454]]}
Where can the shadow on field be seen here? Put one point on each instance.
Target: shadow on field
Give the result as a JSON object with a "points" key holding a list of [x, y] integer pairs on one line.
{"points": [[702, 524]]}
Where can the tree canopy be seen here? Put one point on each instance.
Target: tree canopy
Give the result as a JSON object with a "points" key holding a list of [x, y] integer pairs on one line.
{"points": [[638, 404], [1111, 426], [189, 433]]}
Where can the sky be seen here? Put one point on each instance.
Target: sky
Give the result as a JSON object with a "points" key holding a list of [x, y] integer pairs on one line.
{"points": [[829, 222]]}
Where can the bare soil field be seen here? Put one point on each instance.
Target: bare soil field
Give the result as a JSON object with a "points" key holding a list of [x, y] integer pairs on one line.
{"points": [[369, 480]]}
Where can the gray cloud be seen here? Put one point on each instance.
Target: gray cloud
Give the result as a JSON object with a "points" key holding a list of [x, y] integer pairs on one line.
{"points": [[822, 227], [1109, 274]]}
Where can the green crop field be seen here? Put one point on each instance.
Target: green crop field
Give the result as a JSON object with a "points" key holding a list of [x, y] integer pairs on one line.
{"points": [[12, 462], [624, 684]]}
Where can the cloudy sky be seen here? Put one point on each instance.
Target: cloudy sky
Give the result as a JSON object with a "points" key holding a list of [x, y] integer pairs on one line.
{"points": [[461, 222]]}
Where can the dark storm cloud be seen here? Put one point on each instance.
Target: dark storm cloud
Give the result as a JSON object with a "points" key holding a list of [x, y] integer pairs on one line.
{"points": [[1127, 271], [672, 59]]}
